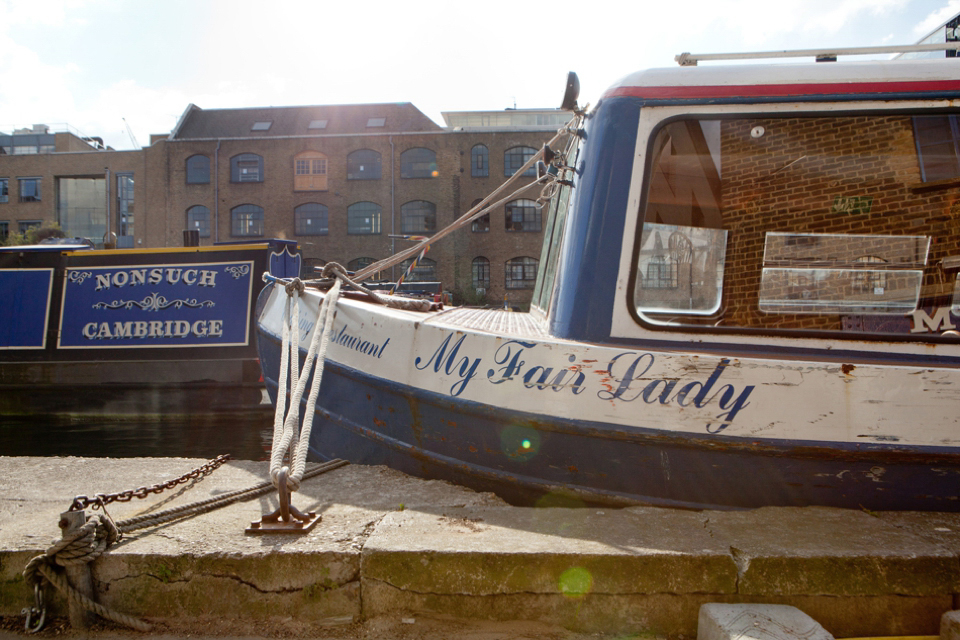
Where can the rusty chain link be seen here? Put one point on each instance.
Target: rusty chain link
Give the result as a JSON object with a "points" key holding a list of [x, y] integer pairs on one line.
{"points": [[103, 499]]}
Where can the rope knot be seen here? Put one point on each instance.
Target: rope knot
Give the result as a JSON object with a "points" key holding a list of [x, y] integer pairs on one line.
{"points": [[332, 270], [295, 285]]}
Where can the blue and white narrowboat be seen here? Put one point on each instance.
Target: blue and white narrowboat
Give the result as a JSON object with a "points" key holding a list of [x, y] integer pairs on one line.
{"points": [[154, 333], [748, 295]]}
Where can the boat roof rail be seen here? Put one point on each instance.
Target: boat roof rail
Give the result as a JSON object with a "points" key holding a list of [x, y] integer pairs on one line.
{"points": [[821, 55]]}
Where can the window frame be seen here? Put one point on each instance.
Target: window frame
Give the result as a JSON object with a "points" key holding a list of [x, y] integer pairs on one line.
{"points": [[479, 161], [194, 215], [38, 190], [4, 190], [237, 177], [356, 165], [481, 280], [237, 218], [415, 210], [531, 216], [528, 267], [310, 171], [417, 165], [353, 212], [200, 174], [953, 124], [515, 157], [303, 218]]}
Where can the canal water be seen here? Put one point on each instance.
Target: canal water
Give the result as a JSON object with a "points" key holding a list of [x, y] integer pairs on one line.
{"points": [[246, 438]]}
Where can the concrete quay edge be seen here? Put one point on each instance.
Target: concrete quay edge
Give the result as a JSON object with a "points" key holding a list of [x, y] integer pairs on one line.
{"points": [[393, 545]]}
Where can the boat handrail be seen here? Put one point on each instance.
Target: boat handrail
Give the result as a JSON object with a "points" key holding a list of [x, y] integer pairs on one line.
{"points": [[821, 55]]}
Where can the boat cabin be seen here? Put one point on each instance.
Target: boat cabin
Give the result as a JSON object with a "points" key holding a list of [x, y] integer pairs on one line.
{"points": [[787, 206]]}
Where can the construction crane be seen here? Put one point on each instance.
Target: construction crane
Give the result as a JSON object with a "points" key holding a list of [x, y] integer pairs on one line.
{"points": [[133, 138]]}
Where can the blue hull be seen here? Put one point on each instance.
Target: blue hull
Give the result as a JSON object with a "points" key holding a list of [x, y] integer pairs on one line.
{"points": [[529, 460]]}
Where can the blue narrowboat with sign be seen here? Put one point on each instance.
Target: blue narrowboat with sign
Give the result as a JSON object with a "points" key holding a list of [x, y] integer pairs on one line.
{"points": [[160, 332], [748, 295]]}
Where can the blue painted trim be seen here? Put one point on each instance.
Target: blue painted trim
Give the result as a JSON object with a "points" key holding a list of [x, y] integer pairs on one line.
{"points": [[587, 274]]}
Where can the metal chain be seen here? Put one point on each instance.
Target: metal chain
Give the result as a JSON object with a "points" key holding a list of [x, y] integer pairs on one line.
{"points": [[103, 499]]}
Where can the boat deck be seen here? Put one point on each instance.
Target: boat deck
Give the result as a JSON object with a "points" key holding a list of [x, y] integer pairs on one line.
{"points": [[497, 321]]}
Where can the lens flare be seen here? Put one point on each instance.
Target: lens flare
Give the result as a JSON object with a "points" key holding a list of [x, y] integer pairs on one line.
{"points": [[575, 582], [519, 443]]}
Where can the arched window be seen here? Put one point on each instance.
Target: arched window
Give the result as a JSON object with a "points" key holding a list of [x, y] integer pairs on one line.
{"points": [[522, 215], [310, 219], [363, 218], [479, 161], [246, 167], [198, 169], [425, 271], [363, 164], [481, 273], [246, 220], [418, 216], [481, 224], [515, 157], [310, 171], [198, 218], [418, 163], [521, 273]]}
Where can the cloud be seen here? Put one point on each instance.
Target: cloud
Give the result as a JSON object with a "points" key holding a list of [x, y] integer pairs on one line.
{"points": [[936, 18]]}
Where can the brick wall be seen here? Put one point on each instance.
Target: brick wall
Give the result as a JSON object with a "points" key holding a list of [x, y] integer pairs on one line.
{"points": [[851, 175]]}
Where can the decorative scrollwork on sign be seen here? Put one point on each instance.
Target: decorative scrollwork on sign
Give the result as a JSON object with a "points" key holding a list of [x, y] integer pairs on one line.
{"points": [[154, 302], [238, 271], [78, 277]]}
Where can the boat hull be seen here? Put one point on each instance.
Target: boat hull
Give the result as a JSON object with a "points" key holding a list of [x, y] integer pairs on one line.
{"points": [[531, 458]]}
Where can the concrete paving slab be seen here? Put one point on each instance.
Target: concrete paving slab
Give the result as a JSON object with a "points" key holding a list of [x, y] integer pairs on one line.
{"points": [[391, 546], [207, 565], [833, 552], [950, 626], [757, 622]]}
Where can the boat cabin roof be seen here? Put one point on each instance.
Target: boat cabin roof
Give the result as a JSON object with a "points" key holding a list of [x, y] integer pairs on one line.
{"points": [[721, 82]]}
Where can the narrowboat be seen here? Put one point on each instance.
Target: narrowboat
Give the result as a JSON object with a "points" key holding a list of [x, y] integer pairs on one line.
{"points": [[747, 296], [153, 333]]}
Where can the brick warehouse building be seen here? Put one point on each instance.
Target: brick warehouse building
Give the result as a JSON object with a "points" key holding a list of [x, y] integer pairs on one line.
{"points": [[338, 179]]}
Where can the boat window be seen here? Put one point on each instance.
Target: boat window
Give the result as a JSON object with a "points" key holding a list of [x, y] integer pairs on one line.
{"points": [[820, 224], [553, 233]]}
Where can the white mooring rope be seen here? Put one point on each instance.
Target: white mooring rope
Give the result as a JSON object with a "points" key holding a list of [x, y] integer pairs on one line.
{"points": [[286, 421]]}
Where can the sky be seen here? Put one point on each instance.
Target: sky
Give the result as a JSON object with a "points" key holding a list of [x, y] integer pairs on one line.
{"points": [[125, 69]]}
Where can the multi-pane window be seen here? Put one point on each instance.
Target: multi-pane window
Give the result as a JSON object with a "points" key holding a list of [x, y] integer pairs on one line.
{"points": [[425, 271], [481, 224], [125, 210], [521, 273], [481, 273], [4, 190], [198, 169], [198, 218], [938, 147], [246, 220], [310, 171], [479, 161], [363, 164], [522, 215], [310, 219], [26, 225], [246, 167], [363, 218], [516, 157], [4, 230], [418, 216], [29, 189], [418, 163]]}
